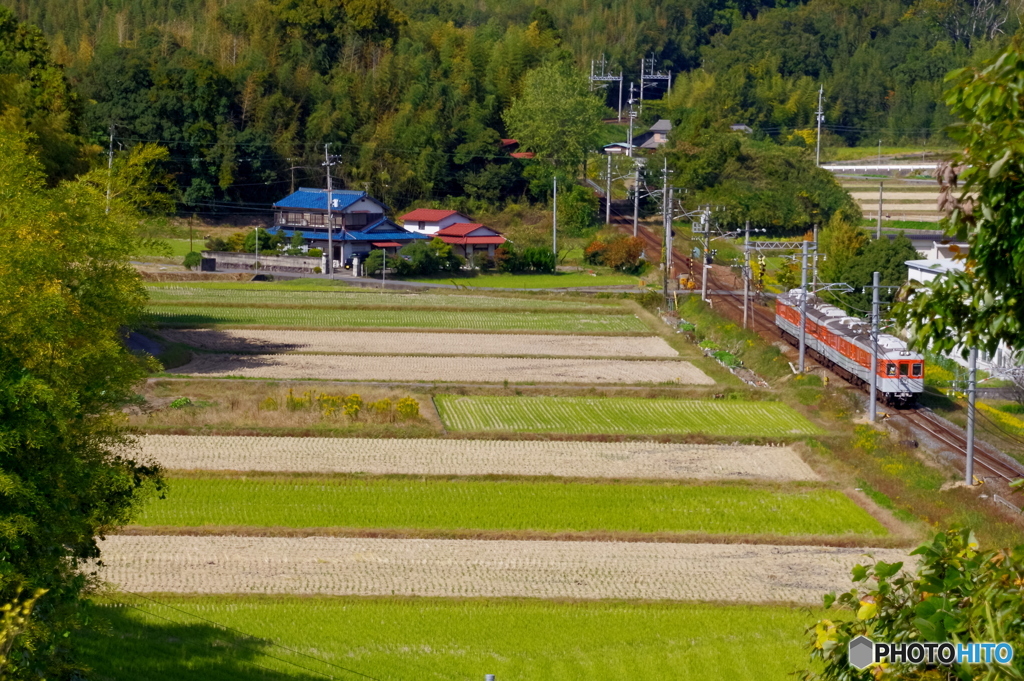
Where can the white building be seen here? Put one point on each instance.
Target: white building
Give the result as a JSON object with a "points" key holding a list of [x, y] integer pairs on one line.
{"points": [[431, 221]]}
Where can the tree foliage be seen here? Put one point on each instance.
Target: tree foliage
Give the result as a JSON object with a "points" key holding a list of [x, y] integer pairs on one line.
{"points": [[67, 293], [957, 593], [556, 116], [982, 306]]}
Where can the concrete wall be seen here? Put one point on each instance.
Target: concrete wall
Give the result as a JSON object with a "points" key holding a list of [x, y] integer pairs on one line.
{"points": [[269, 263]]}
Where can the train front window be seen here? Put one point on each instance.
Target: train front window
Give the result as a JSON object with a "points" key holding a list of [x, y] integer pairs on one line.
{"points": [[915, 370], [890, 369], [904, 369]]}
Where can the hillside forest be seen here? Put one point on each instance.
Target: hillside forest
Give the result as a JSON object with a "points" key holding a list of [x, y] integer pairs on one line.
{"points": [[414, 97]]}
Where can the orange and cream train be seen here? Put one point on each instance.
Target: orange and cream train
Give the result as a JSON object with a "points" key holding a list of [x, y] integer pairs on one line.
{"points": [[843, 344]]}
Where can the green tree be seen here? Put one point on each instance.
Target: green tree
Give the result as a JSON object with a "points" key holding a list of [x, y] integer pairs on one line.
{"points": [[556, 116], [885, 256], [840, 242], [36, 98], [982, 306], [956, 593], [577, 211], [67, 472], [374, 263]]}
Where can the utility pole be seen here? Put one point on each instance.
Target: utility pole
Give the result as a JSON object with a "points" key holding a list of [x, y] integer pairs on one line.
{"points": [[704, 267], [110, 166], [636, 197], [746, 272], [803, 306], [815, 258], [873, 398], [257, 265], [878, 230], [879, 152], [666, 221], [821, 118], [330, 218], [972, 391], [632, 116], [620, 96], [608, 194], [554, 219]]}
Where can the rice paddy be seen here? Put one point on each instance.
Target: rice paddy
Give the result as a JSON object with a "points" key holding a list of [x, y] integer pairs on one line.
{"points": [[460, 504], [626, 416], [205, 316], [297, 638]]}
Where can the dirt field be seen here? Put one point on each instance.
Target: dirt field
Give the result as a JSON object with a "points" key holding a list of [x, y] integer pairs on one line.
{"points": [[468, 568], [476, 457], [384, 342], [446, 369]]}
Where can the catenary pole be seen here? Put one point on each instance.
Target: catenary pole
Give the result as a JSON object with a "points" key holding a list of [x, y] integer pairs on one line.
{"points": [[608, 194], [746, 272], [873, 395], [704, 267], [803, 306], [620, 97], [972, 392]]}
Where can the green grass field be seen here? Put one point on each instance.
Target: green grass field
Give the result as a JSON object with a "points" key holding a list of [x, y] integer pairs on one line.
{"points": [[348, 298], [504, 505], [178, 247], [621, 415], [301, 639], [527, 281], [193, 316]]}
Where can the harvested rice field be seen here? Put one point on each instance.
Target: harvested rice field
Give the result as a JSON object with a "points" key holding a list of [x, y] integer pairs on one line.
{"points": [[254, 294], [462, 568], [413, 343], [444, 369], [503, 505], [205, 316], [621, 415], [433, 639], [476, 457]]}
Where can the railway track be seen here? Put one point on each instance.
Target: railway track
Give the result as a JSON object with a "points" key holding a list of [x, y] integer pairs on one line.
{"points": [[988, 462]]}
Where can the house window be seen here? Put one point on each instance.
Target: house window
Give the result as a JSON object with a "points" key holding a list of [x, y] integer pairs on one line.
{"points": [[316, 219], [423, 225]]}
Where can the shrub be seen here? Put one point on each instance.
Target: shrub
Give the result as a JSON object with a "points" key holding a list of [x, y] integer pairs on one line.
{"points": [[268, 404], [538, 259], [353, 405], [374, 263], [408, 408], [181, 403], [315, 252], [192, 259]]}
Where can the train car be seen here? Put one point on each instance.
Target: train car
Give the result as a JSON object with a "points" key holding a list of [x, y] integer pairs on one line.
{"points": [[843, 344]]}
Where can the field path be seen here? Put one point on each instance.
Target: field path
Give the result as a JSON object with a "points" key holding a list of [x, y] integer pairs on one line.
{"points": [[476, 457], [448, 369], [480, 568], [414, 343]]}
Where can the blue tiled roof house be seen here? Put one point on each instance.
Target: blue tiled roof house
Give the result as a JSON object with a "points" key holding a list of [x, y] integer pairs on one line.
{"points": [[358, 222]]}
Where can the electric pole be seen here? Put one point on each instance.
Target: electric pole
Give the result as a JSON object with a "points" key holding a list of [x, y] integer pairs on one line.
{"points": [[814, 278], [878, 230], [330, 217], [554, 219], [666, 221], [636, 198], [632, 116], [872, 399], [803, 306], [608, 194], [821, 118], [110, 166], [972, 391], [746, 272]]}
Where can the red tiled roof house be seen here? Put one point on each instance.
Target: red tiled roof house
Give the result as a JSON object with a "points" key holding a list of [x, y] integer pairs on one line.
{"points": [[468, 238], [430, 220]]}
